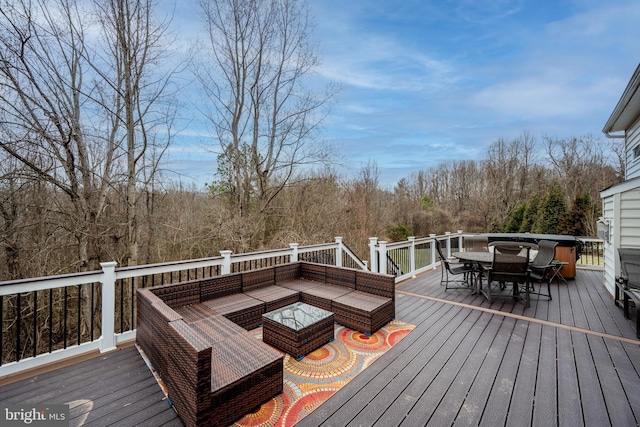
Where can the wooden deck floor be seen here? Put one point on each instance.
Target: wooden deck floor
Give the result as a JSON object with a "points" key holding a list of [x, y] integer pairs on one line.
{"points": [[112, 389], [570, 361]]}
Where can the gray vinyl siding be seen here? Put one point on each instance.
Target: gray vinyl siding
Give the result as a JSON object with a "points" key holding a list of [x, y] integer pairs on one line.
{"points": [[630, 218], [610, 252], [622, 209], [632, 140]]}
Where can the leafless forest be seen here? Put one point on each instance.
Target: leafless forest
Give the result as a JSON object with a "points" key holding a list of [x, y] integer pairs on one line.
{"points": [[39, 238], [90, 92], [87, 110]]}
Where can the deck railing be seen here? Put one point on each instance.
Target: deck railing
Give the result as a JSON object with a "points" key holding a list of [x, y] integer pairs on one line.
{"points": [[48, 319], [415, 255]]}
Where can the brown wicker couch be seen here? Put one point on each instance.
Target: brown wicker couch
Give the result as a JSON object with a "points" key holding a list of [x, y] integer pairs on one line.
{"points": [[195, 333]]}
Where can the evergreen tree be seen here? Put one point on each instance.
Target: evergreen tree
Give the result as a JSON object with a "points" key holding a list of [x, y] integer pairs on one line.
{"points": [[552, 211], [574, 223], [530, 214], [514, 222]]}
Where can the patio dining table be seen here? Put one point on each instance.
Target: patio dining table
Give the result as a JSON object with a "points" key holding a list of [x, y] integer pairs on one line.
{"points": [[480, 261]]}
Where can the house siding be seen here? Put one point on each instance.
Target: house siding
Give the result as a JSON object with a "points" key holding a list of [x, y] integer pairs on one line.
{"points": [[611, 267], [622, 211], [632, 141], [630, 218]]}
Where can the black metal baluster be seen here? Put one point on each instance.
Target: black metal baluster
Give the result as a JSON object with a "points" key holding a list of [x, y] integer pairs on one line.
{"points": [[93, 295], [64, 329], [35, 323], [18, 328], [133, 296], [121, 304], [50, 320], [79, 311], [1, 329]]}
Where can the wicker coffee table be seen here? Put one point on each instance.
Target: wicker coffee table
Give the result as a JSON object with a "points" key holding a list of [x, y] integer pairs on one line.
{"points": [[297, 329]]}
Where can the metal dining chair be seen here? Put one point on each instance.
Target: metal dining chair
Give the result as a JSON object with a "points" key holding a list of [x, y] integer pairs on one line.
{"points": [[505, 269], [629, 281], [542, 267], [454, 269]]}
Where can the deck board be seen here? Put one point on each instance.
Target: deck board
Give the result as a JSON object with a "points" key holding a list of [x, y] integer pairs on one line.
{"points": [[524, 383], [498, 368], [114, 388], [569, 409], [467, 362]]}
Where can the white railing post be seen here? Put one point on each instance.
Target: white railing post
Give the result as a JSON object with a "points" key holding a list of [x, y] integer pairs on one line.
{"points": [[382, 268], [433, 250], [373, 241], [448, 234], [108, 306], [226, 262], [294, 253], [339, 252], [412, 254], [460, 241]]}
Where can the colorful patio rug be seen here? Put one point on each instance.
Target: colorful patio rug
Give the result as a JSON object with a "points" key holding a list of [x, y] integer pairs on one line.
{"points": [[316, 377]]}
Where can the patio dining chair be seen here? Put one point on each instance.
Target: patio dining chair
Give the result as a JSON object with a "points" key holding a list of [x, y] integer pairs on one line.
{"points": [[542, 267], [454, 269], [476, 243], [510, 247], [629, 282], [508, 268]]}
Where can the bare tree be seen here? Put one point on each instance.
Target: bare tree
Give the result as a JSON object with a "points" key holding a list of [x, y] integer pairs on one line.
{"points": [[263, 111], [584, 164], [136, 95], [42, 72]]}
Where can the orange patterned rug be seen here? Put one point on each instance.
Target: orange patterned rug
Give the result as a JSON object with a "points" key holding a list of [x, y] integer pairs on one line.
{"points": [[315, 378]]}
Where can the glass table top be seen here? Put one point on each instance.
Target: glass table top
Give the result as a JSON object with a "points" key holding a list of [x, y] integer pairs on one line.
{"points": [[298, 316]]}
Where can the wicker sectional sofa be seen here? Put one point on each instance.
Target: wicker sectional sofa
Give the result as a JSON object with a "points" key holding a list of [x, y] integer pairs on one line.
{"points": [[196, 333]]}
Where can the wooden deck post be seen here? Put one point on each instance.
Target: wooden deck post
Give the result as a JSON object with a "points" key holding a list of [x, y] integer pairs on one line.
{"points": [[448, 234], [373, 256], [108, 306], [339, 252], [382, 268], [433, 250], [412, 254], [226, 263], [294, 253]]}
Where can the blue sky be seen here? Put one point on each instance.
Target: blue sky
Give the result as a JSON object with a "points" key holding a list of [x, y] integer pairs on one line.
{"points": [[430, 81]]}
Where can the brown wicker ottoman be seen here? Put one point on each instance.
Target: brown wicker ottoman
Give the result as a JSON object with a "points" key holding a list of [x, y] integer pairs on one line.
{"points": [[274, 297], [239, 308], [323, 295], [245, 373], [297, 329], [363, 312]]}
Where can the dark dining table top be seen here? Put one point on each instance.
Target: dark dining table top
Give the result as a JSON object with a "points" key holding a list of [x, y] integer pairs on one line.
{"points": [[484, 257]]}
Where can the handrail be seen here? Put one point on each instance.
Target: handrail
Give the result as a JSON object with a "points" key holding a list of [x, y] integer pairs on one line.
{"points": [[104, 300], [412, 254]]}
